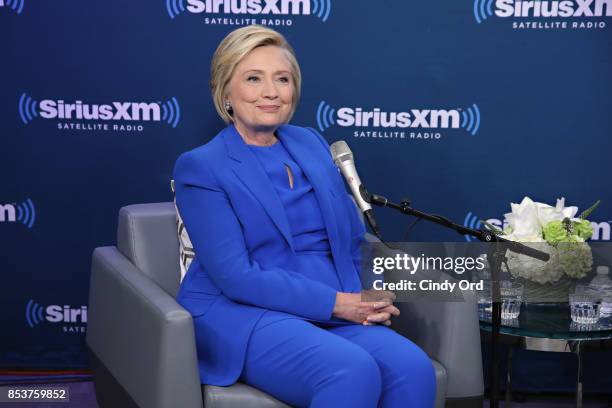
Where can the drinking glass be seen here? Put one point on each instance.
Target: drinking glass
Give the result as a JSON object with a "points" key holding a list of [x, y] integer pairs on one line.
{"points": [[584, 308], [511, 298], [582, 327], [485, 305], [605, 311]]}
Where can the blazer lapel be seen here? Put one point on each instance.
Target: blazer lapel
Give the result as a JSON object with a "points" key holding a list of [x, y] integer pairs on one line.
{"points": [[249, 170]]}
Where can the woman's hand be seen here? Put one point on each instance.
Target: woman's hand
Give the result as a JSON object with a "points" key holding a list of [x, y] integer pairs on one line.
{"points": [[382, 316], [353, 307]]}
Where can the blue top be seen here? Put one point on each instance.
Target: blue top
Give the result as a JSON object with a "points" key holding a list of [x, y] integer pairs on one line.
{"points": [[300, 203]]}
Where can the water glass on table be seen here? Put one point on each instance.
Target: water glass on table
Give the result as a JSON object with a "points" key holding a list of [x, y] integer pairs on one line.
{"points": [[584, 308], [605, 310], [484, 301], [485, 305], [511, 298]]}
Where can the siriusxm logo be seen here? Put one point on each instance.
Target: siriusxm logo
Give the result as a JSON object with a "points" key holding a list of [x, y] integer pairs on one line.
{"points": [[601, 230], [15, 5], [269, 8], [468, 118], [168, 111], [545, 9], [472, 221], [23, 212], [36, 314]]}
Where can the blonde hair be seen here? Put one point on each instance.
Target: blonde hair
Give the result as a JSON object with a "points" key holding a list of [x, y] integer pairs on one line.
{"points": [[234, 47]]}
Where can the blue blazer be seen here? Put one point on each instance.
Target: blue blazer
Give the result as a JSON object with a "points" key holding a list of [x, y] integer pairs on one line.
{"points": [[245, 262]]}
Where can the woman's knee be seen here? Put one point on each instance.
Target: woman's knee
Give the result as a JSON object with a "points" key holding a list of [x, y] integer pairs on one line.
{"points": [[363, 369], [358, 370], [412, 366], [409, 381]]}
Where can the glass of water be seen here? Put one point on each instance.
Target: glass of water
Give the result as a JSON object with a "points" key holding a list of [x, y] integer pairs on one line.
{"points": [[484, 302], [606, 306], [580, 327], [485, 307], [584, 308], [511, 298]]}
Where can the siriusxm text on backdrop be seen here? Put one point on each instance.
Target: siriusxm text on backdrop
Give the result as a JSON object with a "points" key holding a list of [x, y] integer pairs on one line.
{"points": [[602, 230], [23, 213], [71, 319], [84, 116], [424, 124], [557, 14], [246, 12]]}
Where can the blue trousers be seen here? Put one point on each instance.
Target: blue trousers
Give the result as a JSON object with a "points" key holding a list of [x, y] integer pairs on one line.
{"points": [[351, 366]]}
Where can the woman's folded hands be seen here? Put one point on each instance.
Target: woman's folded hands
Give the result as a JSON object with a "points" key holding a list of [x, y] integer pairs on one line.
{"points": [[367, 308]]}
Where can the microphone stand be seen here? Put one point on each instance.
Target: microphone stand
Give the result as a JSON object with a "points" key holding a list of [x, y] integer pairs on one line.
{"points": [[496, 255]]}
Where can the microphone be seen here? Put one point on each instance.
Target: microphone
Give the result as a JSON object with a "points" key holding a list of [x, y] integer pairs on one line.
{"points": [[343, 158]]}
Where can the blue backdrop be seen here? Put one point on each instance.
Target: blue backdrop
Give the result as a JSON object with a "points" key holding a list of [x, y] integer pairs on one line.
{"points": [[462, 106]]}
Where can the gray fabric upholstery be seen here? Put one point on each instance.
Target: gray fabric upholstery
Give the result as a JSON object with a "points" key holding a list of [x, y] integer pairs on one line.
{"points": [[239, 395], [242, 395], [441, 380], [449, 333], [146, 340], [146, 235], [141, 334]]}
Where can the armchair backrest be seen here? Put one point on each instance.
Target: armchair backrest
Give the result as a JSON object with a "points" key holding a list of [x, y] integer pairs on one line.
{"points": [[147, 236]]}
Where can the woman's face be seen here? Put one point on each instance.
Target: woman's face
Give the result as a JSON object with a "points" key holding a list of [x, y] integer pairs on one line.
{"points": [[261, 90]]}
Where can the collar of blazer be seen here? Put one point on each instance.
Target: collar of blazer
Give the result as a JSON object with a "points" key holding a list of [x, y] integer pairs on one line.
{"points": [[307, 151]]}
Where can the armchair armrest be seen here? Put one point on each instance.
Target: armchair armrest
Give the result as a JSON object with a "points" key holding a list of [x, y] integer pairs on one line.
{"points": [[449, 332], [142, 336]]}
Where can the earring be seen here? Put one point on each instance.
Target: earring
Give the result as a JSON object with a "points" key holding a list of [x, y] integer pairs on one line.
{"points": [[228, 106]]}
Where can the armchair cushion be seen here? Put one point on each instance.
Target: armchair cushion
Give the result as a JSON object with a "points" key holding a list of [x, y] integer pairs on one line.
{"points": [[186, 251], [238, 396]]}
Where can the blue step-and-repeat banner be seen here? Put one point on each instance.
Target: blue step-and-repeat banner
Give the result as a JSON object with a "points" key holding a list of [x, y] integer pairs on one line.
{"points": [[462, 106]]}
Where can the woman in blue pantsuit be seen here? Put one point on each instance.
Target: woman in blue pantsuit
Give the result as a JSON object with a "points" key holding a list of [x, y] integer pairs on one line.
{"points": [[274, 288]]}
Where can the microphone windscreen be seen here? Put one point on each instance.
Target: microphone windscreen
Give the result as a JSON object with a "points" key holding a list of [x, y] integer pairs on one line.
{"points": [[340, 151]]}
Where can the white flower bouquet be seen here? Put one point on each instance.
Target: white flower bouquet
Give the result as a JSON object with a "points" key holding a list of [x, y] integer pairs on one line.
{"points": [[555, 230]]}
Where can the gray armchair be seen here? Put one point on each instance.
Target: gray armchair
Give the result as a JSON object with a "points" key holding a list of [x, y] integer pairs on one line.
{"points": [[142, 345]]}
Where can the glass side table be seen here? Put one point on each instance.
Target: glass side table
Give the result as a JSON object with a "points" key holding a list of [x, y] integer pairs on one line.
{"points": [[548, 327]]}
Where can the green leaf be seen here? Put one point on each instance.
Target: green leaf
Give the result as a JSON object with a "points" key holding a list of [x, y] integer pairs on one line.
{"points": [[589, 210]]}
